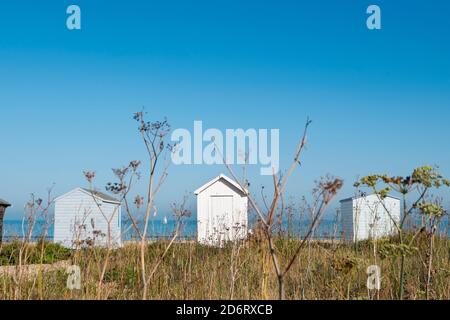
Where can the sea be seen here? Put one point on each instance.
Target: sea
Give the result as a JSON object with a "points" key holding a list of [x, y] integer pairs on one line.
{"points": [[161, 229]]}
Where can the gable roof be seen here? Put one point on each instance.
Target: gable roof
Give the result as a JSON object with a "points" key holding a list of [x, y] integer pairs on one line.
{"points": [[368, 195], [221, 177], [3, 203], [99, 195]]}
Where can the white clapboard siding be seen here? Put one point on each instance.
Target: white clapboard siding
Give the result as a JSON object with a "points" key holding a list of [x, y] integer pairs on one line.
{"points": [[222, 212], [78, 214], [347, 219], [367, 217]]}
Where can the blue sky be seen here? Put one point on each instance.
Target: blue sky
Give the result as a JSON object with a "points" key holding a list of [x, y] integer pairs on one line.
{"points": [[379, 100]]}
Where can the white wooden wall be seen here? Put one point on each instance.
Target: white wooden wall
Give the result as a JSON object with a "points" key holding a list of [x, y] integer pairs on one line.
{"points": [[347, 220], [79, 208], [366, 218], [214, 229]]}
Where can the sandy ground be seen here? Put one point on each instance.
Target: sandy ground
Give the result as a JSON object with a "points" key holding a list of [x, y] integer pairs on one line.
{"points": [[33, 269]]}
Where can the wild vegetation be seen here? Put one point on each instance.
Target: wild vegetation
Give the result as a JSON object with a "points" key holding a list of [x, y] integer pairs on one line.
{"points": [[242, 271], [38, 253]]}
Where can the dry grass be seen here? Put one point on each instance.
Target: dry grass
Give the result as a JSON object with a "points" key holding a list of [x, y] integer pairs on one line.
{"points": [[192, 271]]}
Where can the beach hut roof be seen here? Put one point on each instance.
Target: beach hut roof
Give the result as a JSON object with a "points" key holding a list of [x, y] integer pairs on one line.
{"points": [[99, 195], [220, 177], [3, 203], [364, 196]]}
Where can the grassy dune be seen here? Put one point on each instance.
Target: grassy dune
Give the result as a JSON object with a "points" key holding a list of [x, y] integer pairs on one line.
{"points": [[191, 271]]}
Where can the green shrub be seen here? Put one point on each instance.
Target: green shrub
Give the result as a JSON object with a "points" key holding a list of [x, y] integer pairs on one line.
{"points": [[36, 253]]}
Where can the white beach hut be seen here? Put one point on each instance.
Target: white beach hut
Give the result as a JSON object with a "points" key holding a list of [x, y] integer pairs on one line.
{"points": [[222, 211], [82, 217], [369, 217]]}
